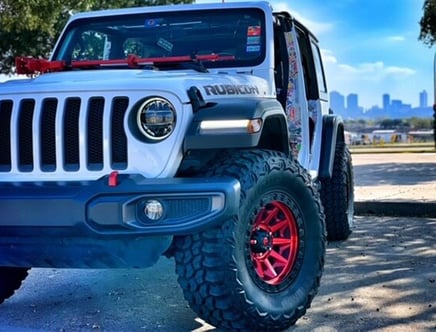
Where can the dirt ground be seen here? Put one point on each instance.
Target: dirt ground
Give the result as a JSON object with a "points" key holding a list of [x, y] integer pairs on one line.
{"points": [[382, 279], [396, 177]]}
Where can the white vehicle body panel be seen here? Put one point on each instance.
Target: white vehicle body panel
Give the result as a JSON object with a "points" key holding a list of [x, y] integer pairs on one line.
{"points": [[157, 159], [160, 159]]}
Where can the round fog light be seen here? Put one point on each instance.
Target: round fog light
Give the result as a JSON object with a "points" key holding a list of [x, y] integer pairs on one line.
{"points": [[153, 209]]}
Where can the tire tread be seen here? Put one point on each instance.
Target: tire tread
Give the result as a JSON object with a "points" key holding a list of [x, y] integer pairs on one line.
{"points": [[207, 295]]}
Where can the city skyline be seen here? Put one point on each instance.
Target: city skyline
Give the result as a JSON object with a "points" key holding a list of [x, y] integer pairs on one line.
{"points": [[349, 108], [351, 100]]}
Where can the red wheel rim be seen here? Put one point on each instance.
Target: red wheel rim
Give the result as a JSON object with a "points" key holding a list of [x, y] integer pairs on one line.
{"points": [[274, 243]]}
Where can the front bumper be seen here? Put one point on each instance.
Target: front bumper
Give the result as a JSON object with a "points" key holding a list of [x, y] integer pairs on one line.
{"points": [[94, 224]]}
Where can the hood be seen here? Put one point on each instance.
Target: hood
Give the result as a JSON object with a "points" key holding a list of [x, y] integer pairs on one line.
{"points": [[67, 115], [212, 85]]}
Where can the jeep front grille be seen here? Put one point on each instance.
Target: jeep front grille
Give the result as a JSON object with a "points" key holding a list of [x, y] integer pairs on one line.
{"points": [[48, 135]]}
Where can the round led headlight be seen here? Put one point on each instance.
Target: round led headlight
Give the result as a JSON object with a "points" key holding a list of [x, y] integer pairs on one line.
{"points": [[156, 118]]}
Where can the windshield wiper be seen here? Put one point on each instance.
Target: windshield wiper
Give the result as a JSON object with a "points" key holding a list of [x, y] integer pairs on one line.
{"points": [[195, 62], [182, 62]]}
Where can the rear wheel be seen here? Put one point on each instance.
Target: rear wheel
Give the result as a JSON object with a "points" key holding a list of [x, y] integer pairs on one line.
{"points": [[337, 195], [10, 280], [260, 270]]}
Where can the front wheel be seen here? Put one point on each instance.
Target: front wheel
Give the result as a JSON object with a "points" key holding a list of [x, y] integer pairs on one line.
{"points": [[10, 280], [260, 270]]}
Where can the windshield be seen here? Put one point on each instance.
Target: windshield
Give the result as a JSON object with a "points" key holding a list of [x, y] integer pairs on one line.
{"points": [[236, 35]]}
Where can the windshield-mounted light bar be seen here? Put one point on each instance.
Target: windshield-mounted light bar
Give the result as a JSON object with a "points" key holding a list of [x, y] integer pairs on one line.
{"points": [[32, 66], [242, 126]]}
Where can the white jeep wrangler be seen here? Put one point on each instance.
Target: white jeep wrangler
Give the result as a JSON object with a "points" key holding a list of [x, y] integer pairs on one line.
{"points": [[201, 132]]}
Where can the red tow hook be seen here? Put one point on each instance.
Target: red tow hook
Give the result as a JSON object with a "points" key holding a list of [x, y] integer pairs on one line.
{"points": [[113, 179]]}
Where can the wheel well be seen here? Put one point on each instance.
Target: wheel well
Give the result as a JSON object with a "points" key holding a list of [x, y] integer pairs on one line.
{"points": [[333, 133], [340, 135], [274, 135]]}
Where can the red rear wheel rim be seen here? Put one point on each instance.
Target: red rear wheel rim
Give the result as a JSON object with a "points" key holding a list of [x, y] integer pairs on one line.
{"points": [[274, 243]]}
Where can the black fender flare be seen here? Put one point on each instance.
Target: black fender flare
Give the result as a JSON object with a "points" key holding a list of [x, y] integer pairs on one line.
{"points": [[332, 132], [243, 107]]}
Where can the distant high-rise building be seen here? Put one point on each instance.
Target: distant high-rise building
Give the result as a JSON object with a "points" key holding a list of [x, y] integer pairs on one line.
{"points": [[423, 99], [396, 104], [352, 101], [386, 101], [337, 102], [353, 109]]}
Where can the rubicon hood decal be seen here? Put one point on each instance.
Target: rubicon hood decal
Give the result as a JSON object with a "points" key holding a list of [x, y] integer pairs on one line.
{"points": [[231, 89]]}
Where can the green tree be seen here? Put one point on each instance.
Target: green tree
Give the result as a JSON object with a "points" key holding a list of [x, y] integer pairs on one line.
{"points": [[428, 23], [421, 123], [31, 27]]}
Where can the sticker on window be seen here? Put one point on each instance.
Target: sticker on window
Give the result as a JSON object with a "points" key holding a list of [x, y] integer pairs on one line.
{"points": [[253, 48], [253, 38], [165, 44], [253, 30], [153, 22]]}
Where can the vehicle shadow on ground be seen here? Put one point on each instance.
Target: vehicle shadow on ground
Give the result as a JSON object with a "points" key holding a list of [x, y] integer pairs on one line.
{"points": [[383, 277], [394, 174], [109, 300]]}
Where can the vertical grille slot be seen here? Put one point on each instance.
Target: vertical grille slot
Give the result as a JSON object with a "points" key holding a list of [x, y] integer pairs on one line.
{"points": [[48, 134], [5, 135], [25, 135], [95, 133], [71, 134], [51, 137], [118, 135]]}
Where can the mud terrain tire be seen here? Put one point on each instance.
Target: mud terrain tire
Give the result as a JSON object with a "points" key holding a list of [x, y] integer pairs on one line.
{"points": [[10, 280], [260, 270], [337, 195]]}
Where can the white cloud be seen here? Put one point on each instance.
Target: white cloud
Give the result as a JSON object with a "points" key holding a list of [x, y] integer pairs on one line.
{"points": [[316, 27], [374, 71], [328, 57], [402, 72], [369, 79], [396, 39]]}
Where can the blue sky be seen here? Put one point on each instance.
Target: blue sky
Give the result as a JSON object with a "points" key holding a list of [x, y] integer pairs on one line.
{"points": [[369, 47]]}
